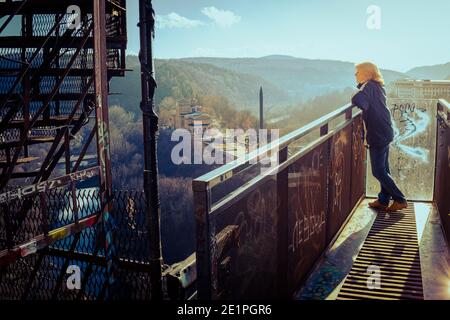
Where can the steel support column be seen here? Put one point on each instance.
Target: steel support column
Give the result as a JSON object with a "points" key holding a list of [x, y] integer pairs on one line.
{"points": [[103, 145], [150, 122]]}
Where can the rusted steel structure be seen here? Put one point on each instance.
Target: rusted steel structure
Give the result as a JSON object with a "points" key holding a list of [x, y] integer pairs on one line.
{"points": [[58, 208], [150, 123]]}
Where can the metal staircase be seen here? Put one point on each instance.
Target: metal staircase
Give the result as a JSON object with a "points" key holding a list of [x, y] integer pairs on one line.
{"points": [[47, 95], [54, 78]]}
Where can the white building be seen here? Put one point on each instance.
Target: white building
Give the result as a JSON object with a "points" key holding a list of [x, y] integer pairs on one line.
{"points": [[420, 89]]}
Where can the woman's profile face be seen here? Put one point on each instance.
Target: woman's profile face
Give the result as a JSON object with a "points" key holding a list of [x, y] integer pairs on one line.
{"points": [[361, 75]]}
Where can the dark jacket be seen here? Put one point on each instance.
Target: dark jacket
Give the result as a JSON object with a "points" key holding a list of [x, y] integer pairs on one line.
{"points": [[371, 98]]}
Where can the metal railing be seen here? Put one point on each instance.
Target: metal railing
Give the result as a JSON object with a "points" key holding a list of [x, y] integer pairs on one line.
{"points": [[261, 239], [64, 225], [442, 173]]}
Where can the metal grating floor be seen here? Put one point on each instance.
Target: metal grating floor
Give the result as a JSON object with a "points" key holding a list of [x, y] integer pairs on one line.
{"points": [[391, 246]]}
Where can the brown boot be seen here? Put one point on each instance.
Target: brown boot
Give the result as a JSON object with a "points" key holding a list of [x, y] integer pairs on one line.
{"points": [[377, 205], [397, 206]]}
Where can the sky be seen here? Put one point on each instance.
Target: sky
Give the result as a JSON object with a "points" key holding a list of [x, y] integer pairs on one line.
{"points": [[397, 35]]}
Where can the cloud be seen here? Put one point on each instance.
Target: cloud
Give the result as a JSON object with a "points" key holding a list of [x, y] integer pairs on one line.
{"points": [[174, 20], [132, 52], [222, 18]]}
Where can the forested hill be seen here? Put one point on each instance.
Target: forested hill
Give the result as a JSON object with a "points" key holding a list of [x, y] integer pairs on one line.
{"points": [[435, 72], [184, 79], [302, 78], [286, 80]]}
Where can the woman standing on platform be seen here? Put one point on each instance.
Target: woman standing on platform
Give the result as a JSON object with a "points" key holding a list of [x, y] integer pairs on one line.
{"points": [[371, 98]]}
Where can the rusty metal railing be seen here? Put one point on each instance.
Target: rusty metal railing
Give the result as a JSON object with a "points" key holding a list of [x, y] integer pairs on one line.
{"points": [[61, 231], [262, 238], [442, 173]]}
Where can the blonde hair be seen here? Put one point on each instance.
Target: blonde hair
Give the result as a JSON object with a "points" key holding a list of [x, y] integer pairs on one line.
{"points": [[372, 70]]}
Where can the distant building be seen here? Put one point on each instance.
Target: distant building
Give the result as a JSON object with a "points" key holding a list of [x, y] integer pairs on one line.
{"points": [[189, 115], [197, 121], [421, 89], [184, 107]]}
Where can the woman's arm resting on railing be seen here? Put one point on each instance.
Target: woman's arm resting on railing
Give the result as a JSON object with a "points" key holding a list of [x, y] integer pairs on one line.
{"points": [[361, 98]]}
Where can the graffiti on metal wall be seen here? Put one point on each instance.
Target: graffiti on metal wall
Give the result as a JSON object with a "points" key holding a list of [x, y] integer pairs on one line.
{"points": [[339, 180], [357, 168], [306, 183], [412, 152], [338, 168], [254, 218], [411, 121], [307, 195]]}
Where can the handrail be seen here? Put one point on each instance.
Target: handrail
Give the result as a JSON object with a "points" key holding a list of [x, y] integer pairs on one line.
{"points": [[29, 63], [116, 5], [240, 193], [9, 170], [443, 111], [445, 103], [14, 61], [240, 210], [225, 172], [11, 16]]}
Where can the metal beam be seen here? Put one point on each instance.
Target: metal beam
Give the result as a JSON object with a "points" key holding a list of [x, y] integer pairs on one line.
{"points": [[103, 145], [150, 123]]}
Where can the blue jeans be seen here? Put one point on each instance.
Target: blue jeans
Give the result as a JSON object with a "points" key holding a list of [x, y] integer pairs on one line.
{"points": [[379, 159]]}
